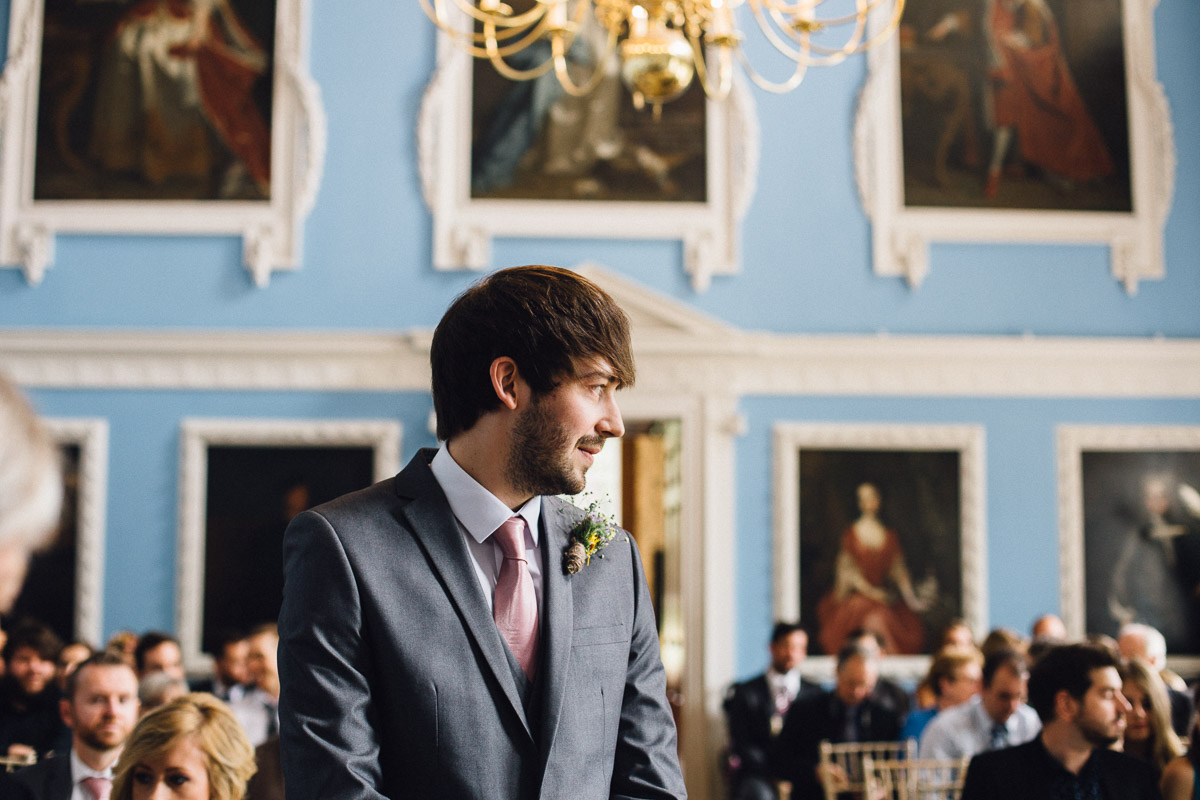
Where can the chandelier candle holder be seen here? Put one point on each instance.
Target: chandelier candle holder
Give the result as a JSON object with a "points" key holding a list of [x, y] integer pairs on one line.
{"points": [[661, 45]]}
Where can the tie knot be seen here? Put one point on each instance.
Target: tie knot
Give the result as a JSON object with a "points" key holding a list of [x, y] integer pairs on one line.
{"points": [[511, 538], [97, 788]]}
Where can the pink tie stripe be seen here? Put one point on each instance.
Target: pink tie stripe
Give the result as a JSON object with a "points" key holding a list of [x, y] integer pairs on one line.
{"points": [[515, 605]]}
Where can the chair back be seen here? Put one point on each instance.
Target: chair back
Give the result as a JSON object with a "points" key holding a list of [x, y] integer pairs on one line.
{"points": [[914, 779], [841, 765], [14, 763]]}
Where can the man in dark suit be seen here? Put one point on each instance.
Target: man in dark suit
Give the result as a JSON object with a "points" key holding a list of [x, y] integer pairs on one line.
{"points": [[1076, 690], [434, 640], [100, 707], [755, 710], [850, 713]]}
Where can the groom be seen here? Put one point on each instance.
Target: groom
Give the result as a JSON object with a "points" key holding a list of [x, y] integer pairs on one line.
{"points": [[433, 643]]}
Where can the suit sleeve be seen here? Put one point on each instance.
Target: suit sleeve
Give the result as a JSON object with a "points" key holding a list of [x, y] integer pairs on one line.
{"points": [[646, 764], [329, 745], [741, 717], [979, 782]]}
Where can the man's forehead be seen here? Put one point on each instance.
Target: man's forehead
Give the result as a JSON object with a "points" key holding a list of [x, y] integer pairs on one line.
{"points": [[1105, 678]]}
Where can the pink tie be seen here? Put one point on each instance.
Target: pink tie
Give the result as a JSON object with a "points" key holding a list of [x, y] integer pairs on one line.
{"points": [[515, 606], [97, 788]]}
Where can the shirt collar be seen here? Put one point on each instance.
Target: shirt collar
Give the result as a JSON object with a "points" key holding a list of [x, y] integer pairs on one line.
{"points": [[80, 770], [477, 509]]}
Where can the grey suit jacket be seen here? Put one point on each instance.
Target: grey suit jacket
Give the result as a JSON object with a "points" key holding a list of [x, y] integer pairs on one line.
{"points": [[49, 779], [396, 682]]}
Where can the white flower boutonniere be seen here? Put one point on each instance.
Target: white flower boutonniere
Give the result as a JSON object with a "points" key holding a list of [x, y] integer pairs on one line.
{"points": [[588, 538]]}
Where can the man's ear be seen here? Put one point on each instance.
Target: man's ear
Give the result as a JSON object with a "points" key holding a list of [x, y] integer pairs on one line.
{"points": [[67, 712], [1065, 706], [506, 381]]}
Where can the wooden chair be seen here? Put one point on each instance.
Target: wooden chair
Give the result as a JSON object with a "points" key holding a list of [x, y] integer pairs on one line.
{"points": [[14, 763], [914, 778], [841, 765]]}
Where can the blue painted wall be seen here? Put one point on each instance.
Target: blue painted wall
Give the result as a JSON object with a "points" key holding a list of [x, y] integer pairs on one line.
{"points": [[806, 249]]}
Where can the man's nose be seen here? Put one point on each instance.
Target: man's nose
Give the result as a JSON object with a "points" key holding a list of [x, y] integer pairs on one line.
{"points": [[612, 425]]}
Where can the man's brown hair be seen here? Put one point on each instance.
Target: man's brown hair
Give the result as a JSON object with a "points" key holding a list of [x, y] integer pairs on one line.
{"points": [[546, 319]]}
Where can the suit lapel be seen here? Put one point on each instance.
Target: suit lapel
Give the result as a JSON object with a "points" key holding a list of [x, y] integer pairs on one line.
{"points": [[429, 518], [558, 610]]}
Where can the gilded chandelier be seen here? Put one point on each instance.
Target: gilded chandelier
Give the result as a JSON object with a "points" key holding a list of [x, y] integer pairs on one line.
{"points": [[659, 44]]}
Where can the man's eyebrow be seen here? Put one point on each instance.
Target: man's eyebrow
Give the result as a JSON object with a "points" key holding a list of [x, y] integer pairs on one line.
{"points": [[607, 376]]}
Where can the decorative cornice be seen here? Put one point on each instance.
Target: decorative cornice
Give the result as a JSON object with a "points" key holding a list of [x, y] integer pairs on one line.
{"points": [[721, 359]]}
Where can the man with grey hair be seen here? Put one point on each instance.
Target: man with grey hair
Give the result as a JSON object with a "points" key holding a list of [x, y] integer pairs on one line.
{"points": [[1137, 640], [849, 713], [30, 489]]}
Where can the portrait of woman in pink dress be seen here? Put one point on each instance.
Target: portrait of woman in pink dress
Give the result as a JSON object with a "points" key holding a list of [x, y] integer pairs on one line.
{"points": [[872, 586]]}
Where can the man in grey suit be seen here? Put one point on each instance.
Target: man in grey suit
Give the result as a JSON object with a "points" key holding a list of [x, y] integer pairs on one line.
{"points": [[434, 640], [100, 706]]}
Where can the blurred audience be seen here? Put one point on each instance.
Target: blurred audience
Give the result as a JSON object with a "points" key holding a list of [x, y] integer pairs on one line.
{"points": [[1179, 776], [100, 707], [755, 709], [996, 718], [955, 676], [158, 689], [30, 722], [1135, 640], [1048, 626], [231, 672], [193, 742], [1148, 732], [1076, 690], [257, 708], [71, 656], [1003, 639], [158, 652], [850, 713]]}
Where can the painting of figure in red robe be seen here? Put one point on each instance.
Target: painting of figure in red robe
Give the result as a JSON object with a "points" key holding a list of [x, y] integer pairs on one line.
{"points": [[1015, 104], [155, 100], [880, 546]]}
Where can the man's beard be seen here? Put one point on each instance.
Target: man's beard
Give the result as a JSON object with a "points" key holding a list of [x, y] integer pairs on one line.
{"points": [[539, 461], [1099, 735], [93, 739]]}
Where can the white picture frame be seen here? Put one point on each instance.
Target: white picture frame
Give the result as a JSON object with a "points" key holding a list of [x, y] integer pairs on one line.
{"points": [[271, 229], [901, 234], [1166, 442], [90, 435], [463, 227], [196, 437], [967, 441]]}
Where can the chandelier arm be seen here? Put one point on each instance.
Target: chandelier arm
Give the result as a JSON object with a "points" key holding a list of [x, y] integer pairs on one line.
{"points": [[471, 41], [496, 55], [564, 77], [724, 69], [772, 33], [829, 56], [499, 18], [865, 7], [769, 85]]}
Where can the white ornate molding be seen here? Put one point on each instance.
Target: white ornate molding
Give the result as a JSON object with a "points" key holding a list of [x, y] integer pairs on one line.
{"points": [[669, 357], [968, 440], [1073, 440], [463, 228], [197, 435], [901, 234], [272, 230], [91, 437]]}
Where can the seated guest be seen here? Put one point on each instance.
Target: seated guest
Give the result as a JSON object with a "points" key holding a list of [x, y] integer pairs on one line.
{"points": [[30, 722], [230, 672], [995, 718], [100, 707], [1135, 640], [1003, 639], [958, 633], [1148, 733], [124, 643], [257, 708], [1179, 777], [887, 692], [193, 742], [850, 713], [158, 689], [1049, 626], [956, 675], [158, 652], [71, 656], [755, 710], [267, 782], [1076, 690]]}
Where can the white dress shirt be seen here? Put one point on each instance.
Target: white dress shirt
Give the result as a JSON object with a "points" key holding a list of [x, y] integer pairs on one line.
{"points": [[479, 514], [79, 771], [966, 730]]}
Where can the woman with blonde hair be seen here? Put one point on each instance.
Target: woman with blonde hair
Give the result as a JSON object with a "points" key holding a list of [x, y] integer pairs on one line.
{"points": [[189, 749], [1148, 732]]}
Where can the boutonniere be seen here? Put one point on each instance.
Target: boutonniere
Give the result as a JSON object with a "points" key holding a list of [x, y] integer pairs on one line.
{"points": [[588, 538]]}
